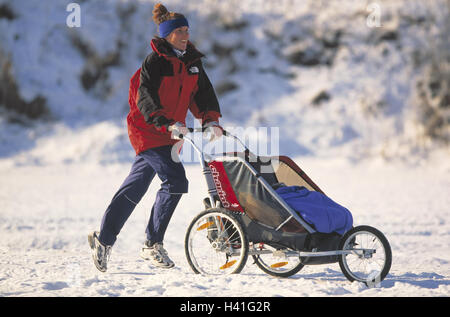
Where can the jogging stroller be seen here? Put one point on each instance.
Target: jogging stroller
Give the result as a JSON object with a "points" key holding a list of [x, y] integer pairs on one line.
{"points": [[245, 216]]}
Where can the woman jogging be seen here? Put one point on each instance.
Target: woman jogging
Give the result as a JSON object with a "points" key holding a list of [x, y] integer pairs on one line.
{"points": [[170, 81]]}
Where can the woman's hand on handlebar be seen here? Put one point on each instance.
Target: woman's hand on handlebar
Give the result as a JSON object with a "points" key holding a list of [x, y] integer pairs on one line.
{"points": [[178, 130]]}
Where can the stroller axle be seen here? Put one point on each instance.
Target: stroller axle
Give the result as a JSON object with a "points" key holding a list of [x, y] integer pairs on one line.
{"points": [[362, 253]]}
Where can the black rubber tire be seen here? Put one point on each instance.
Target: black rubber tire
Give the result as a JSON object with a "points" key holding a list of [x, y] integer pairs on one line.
{"points": [[240, 228], [285, 274], [387, 248]]}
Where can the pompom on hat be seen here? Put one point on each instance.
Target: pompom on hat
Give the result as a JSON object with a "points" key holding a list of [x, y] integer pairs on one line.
{"points": [[167, 21]]}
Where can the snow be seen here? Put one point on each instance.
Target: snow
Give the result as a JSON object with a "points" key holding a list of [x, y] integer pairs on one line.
{"points": [[363, 146], [48, 210]]}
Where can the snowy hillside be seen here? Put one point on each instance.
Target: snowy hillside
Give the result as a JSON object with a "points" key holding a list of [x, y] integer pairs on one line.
{"points": [[331, 79], [362, 107]]}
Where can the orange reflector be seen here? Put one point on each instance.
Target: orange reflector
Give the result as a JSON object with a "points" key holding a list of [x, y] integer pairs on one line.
{"points": [[205, 225], [279, 264], [227, 265]]}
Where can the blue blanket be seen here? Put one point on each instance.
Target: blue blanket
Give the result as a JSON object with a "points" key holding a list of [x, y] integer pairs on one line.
{"points": [[317, 209]]}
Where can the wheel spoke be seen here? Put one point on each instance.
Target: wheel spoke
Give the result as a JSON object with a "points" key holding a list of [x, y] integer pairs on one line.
{"points": [[276, 262]]}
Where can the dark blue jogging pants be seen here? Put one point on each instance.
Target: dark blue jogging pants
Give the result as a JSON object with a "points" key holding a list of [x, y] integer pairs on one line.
{"points": [[146, 165]]}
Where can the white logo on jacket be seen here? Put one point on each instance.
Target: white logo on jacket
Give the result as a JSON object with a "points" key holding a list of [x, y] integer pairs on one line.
{"points": [[194, 70]]}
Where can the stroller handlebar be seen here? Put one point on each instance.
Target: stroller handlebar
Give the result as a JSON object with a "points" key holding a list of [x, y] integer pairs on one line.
{"points": [[224, 133], [192, 130]]}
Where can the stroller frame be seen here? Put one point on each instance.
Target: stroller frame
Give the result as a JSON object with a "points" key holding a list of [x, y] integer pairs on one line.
{"points": [[212, 191], [331, 253]]}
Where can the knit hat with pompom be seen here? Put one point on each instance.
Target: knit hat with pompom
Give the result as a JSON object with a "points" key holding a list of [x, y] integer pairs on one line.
{"points": [[167, 21]]}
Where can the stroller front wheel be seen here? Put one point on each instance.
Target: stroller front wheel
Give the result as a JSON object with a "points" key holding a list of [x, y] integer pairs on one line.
{"points": [[216, 243], [371, 256]]}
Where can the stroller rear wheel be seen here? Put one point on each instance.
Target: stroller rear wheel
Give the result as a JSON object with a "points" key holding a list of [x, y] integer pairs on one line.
{"points": [[371, 258], [277, 262], [216, 243]]}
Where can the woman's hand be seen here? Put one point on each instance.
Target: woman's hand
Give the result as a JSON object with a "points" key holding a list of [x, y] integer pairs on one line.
{"points": [[177, 130]]}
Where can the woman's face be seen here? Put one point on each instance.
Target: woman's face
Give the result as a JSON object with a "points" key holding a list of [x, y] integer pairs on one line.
{"points": [[179, 38]]}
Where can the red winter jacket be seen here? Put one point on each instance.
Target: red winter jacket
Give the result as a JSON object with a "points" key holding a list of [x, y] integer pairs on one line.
{"points": [[168, 86]]}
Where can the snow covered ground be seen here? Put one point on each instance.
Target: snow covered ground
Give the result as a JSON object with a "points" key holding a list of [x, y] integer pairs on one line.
{"points": [[48, 210]]}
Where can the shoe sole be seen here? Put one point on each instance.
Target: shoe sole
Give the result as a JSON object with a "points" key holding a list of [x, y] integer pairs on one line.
{"points": [[162, 267], [91, 241], [156, 264]]}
